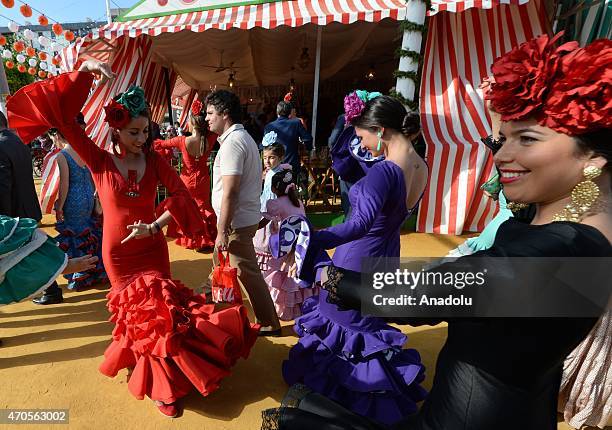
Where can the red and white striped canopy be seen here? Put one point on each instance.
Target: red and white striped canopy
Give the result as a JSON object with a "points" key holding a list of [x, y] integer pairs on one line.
{"points": [[293, 13]]}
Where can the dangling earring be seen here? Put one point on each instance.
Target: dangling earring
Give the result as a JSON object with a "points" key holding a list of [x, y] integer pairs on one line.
{"points": [[379, 134], [583, 197], [516, 206]]}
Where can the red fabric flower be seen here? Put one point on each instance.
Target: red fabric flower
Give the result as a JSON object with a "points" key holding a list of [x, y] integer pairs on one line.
{"points": [[117, 115], [288, 97], [196, 108], [523, 76], [581, 100]]}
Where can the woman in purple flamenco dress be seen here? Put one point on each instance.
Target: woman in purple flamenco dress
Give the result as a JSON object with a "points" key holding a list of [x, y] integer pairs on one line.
{"points": [[357, 360]]}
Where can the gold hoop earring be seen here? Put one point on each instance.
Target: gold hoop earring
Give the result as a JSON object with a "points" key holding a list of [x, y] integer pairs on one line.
{"points": [[516, 206], [583, 196]]}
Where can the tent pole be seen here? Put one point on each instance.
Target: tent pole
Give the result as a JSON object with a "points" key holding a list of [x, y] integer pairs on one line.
{"points": [[411, 41], [108, 12], [169, 95], [315, 99]]}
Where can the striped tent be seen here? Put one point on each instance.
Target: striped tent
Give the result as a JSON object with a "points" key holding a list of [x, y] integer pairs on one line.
{"points": [[464, 37]]}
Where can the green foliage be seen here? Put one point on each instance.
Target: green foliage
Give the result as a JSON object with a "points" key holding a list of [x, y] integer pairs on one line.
{"points": [[16, 79]]}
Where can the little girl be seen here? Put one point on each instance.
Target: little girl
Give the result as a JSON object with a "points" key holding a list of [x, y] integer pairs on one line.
{"points": [[284, 289], [78, 224], [273, 154]]}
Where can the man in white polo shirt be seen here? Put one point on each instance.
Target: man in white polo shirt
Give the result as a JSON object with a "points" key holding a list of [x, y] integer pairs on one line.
{"points": [[235, 199]]}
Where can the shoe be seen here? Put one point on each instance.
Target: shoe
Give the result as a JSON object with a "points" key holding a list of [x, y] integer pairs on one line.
{"points": [[48, 300], [270, 333], [169, 410]]}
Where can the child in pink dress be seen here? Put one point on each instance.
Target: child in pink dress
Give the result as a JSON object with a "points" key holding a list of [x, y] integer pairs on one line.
{"points": [[284, 289]]}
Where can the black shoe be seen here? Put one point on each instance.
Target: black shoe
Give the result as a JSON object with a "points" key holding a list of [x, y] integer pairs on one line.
{"points": [[270, 333], [48, 299]]}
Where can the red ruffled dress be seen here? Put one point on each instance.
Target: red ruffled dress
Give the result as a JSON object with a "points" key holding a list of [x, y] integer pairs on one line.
{"points": [[196, 177], [165, 332]]}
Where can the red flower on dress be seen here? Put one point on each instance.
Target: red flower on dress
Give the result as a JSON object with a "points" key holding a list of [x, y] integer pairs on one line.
{"points": [[196, 108], [117, 115], [523, 76], [581, 100]]}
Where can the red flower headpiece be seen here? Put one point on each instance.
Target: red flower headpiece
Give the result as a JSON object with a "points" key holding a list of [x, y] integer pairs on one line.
{"points": [[117, 115], [196, 108], [566, 88], [288, 97]]}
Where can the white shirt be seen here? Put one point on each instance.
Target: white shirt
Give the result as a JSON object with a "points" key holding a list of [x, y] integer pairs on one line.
{"points": [[238, 155]]}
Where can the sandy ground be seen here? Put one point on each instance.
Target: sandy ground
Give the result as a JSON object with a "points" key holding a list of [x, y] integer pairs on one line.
{"points": [[50, 356]]}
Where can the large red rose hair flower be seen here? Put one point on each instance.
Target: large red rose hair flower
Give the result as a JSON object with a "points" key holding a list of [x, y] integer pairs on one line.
{"points": [[117, 115], [196, 108]]}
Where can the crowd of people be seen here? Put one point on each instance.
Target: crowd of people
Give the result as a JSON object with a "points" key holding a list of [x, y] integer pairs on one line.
{"points": [[348, 370]]}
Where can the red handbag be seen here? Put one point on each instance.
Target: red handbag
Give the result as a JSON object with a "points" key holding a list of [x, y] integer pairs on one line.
{"points": [[225, 286]]}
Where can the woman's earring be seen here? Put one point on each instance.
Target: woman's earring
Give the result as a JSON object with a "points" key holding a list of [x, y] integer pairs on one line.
{"points": [[583, 197], [379, 134]]}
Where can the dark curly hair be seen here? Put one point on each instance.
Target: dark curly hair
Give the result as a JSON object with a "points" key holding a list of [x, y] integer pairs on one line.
{"points": [[225, 102]]}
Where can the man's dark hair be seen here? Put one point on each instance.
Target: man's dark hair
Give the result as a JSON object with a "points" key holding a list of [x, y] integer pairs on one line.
{"points": [[283, 108], [225, 102], [3, 121]]}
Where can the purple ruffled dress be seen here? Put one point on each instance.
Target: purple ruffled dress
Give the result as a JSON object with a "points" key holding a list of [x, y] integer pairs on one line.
{"points": [[357, 360]]}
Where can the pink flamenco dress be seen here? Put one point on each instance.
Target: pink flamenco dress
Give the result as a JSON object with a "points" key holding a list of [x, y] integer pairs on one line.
{"points": [[196, 177], [168, 335], [287, 294]]}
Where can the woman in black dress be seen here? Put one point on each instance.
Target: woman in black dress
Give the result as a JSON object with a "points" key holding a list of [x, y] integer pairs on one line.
{"points": [[555, 153]]}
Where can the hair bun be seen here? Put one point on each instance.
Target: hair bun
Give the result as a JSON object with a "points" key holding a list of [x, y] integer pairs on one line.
{"points": [[411, 124]]}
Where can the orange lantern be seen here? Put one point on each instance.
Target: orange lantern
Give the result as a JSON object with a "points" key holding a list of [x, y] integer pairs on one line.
{"points": [[8, 3], [32, 71], [43, 20], [9, 64], [21, 68], [26, 10], [57, 29], [69, 35], [42, 56], [2, 40], [56, 60], [42, 74], [18, 46], [31, 52]]}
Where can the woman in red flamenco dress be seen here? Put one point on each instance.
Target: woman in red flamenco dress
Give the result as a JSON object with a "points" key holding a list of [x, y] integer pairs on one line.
{"points": [[195, 151], [168, 335]]}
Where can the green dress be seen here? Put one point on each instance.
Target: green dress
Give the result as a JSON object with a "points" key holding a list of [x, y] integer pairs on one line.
{"points": [[29, 259]]}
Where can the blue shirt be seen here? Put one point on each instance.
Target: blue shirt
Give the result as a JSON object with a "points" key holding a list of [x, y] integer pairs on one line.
{"points": [[288, 132]]}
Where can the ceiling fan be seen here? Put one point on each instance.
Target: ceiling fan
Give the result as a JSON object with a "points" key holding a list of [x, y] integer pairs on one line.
{"points": [[221, 67]]}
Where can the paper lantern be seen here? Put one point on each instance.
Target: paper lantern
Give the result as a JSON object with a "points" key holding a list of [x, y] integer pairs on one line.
{"points": [[42, 74], [32, 71], [56, 47], [7, 54], [21, 68], [43, 20], [29, 34], [42, 56], [32, 62], [57, 29], [9, 64], [56, 60], [44, 66], [30, 52], [21, 58], [8, 3], [43, 41], [18, 46], [13, 26], [69, 35], [26, 10], [2, 40]]}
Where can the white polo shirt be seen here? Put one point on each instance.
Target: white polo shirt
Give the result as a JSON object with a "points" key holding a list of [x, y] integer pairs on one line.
{"points": [[238, 155]]}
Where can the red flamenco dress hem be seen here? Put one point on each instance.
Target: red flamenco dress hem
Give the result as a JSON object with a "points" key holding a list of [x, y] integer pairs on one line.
{"points": [[172, 339]]}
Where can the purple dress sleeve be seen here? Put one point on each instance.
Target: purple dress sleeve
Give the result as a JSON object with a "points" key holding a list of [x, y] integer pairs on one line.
{"points": [[369, 196]]}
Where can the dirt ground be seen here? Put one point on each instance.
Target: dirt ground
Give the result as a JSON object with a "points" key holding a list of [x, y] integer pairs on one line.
{"points": [[50, 355]]}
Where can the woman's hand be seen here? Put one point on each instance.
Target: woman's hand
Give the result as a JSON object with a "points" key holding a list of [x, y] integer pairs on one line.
{"points": [[80, 264], [99, 68], [140, 230], [59, 212]]}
